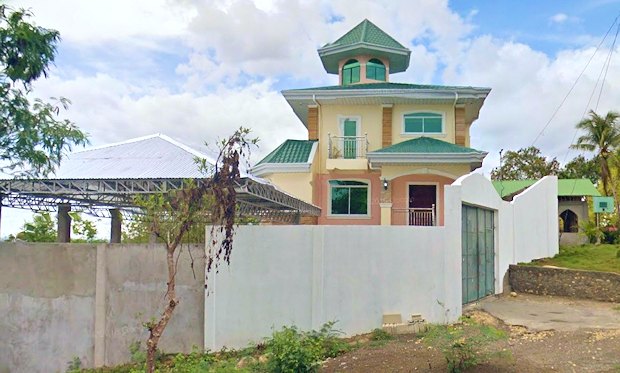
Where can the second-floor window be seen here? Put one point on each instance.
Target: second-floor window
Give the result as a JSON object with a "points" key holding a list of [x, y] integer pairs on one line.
{"points": [[351, 72], [375, 70], [423, 122]]}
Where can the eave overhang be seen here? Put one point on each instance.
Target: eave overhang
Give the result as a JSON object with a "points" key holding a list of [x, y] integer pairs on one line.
{"points": [[474, 159], [331, 55], [274, 168], [471, 98]]}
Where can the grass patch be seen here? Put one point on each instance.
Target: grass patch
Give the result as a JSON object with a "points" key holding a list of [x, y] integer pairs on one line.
{"points": [[587, 257], [466, 344]]}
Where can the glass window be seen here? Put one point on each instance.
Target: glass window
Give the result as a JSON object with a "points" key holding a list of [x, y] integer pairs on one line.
{"points": [[375, 70], [351, 72], [348, 197], [423, 123]]}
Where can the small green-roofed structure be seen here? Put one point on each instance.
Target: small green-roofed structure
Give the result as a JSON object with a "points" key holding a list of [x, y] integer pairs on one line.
{"points": [[572, 204], [566, 187], [365, 38]]}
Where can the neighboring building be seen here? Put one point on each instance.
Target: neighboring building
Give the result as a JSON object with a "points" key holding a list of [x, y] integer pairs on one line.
{"points": [[572, 204], [377, 152]]}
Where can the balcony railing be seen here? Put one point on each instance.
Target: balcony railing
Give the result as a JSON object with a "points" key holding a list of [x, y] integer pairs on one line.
{"points": [[420, 216], [347, 147]]}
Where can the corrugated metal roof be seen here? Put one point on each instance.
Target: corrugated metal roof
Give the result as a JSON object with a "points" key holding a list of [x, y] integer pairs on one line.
{"points": [[150, 157], [566, 187]]}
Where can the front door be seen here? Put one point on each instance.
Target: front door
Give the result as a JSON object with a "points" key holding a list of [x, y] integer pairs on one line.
{"points": [[422, 203], [349, 142]]}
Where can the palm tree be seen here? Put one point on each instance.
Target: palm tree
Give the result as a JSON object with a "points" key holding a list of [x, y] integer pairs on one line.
{"points": [[602, 135]]}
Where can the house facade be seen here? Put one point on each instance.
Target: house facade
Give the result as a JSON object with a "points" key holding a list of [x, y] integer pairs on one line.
{"points": [[377, 153]]}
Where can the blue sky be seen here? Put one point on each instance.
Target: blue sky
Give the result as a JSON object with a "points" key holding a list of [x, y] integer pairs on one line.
{"points": [[194, 70]]}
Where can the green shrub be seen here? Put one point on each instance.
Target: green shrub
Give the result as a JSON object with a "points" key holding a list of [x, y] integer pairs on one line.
{"points": [[380, 335], [75, 365], [295, 351], [592, 232], [136, 353], [195, 362], [463, 345]]}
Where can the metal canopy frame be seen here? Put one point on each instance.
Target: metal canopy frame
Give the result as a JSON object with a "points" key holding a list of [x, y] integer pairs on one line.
{"points": [[97, 196]]}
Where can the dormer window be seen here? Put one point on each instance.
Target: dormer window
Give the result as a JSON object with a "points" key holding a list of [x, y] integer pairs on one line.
{"points": [[351, 72], [375, 70]]}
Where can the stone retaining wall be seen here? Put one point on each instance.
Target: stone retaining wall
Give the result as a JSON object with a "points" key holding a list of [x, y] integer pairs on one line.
{"points": [[602, 286]]}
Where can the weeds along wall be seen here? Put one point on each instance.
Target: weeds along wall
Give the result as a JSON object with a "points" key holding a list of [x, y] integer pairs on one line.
{"points": [[61, 301]]}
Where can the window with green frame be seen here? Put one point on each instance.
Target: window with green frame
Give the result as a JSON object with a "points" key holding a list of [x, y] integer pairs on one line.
{"points": [[351, 72], [348, 197], [375, 70], [423, 123]]}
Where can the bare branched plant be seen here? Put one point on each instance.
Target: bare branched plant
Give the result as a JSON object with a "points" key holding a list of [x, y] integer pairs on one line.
{"points": [[208, 201]]}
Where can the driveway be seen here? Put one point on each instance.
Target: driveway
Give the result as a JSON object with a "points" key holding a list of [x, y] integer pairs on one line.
{"points": [[552, 313]]}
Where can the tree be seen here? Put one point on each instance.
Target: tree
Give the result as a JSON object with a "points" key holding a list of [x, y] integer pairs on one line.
{"points": [[581, 168], [32, 136], [525, 163], [172, 215], [42, 228], [602, 136]]}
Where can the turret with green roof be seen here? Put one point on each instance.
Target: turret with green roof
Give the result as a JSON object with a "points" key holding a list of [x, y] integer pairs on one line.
{"points": [[364, 54]]}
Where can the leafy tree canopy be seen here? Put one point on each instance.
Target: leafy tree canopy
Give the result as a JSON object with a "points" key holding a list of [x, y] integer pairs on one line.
{"points": [[525, 163], [32, 136], [581, 168], [42, 228]]}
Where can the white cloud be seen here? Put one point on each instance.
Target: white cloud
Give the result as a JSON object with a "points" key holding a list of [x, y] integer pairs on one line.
{"points": [[558, 18], [90, 22]]}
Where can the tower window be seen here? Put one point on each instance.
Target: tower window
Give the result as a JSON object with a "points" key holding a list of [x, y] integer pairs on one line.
{"points": [[375, 70], [351, 72]]}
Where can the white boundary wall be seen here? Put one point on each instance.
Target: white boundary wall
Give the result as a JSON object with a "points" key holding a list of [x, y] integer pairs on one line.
{"points": [[308, 275]]}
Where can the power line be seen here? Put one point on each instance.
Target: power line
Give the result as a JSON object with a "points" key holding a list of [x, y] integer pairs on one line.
{"points": [[575, 83]]}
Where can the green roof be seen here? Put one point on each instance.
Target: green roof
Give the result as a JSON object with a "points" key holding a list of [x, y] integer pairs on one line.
{"points": [[426, 145], [566, 187], [388, 86], [290, 151], [366, 32], [365, 39]]}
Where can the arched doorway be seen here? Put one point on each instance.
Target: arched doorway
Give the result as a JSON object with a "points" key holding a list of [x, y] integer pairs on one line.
{"points": [[570, 222]]}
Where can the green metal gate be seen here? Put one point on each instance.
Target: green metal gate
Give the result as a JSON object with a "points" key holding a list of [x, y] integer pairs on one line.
{"points": [[478, 253]]}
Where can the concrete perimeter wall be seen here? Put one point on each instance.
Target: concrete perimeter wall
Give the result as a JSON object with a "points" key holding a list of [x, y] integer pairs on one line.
{"points": [[525, 228], [308, 275], [61, 301]]}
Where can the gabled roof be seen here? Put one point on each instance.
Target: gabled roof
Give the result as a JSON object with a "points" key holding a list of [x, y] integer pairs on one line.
{"points": [[150, 157], [365, 38], [426, 150], [566, 187], [290, 156]]}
